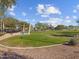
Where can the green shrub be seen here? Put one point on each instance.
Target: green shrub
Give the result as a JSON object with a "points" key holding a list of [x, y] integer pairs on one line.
{"points": [[72, 42]]}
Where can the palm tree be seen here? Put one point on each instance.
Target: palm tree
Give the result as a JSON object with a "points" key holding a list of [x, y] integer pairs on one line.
{"points": [[7, 3], [4, 5]]}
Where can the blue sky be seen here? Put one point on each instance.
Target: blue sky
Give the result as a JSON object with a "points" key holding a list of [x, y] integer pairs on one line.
{"points": [[53, 12]]}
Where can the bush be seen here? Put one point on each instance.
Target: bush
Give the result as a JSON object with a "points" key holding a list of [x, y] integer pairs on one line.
{"points": [[72, 42]]}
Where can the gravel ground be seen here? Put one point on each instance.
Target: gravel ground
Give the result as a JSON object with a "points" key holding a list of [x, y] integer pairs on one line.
{"points": [[55, 52]]}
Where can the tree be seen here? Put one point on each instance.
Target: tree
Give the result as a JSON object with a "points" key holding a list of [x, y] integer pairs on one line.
{"points": [[23, 25], [14, 24], [4, 5], [77, 22], [41, 26], [70, 27], [50, 27], [60, 27], [10, 22]]}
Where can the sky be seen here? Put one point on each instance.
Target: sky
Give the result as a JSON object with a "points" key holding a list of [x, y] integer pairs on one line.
{"points": [[55, 12]]}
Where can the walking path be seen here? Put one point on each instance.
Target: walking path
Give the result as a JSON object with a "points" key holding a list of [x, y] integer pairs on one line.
{"points": [[9, 35], [24, 48]]}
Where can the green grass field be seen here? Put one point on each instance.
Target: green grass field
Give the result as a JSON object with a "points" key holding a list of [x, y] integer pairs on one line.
{"points": [[38, 39]]}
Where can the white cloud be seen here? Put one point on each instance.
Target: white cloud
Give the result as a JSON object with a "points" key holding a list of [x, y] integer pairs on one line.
{"points": [[59, 21], [67, 17], [68, 21], [44, 15], [74, 17], [53, 10], [23, 13], [12, 8], [33, 20], [12, 13], [53, 21], [77, 6], [40, 8], [47, 9], [74, 11]]}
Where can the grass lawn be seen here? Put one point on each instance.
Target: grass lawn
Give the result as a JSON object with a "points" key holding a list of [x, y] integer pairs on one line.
{"points": [[35, 39]]}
